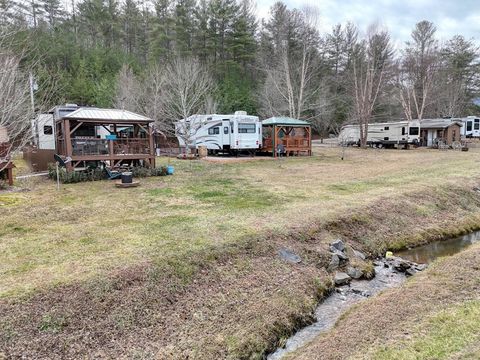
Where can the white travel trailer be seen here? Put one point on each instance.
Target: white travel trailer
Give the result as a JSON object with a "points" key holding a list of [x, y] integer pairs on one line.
{"points": [[383, 134], [220, 133], [471, 126], [43, 131]]}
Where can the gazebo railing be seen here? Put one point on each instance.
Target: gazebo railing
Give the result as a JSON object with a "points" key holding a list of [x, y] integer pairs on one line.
{"points": [[121, 146]]}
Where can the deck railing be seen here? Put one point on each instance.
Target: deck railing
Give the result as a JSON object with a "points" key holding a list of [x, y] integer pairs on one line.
{"points": [[289, 142], [121, 146]]}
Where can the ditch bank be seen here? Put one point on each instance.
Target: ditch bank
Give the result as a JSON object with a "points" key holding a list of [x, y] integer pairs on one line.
{"points": [[389, 272], [235, 302]]}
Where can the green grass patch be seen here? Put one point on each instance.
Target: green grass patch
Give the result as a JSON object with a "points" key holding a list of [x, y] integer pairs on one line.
{"points": [[442, 336]]}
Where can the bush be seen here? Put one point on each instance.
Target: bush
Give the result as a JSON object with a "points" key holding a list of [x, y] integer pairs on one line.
{"points": [[76, 176], [140, 171], [99, 174]]}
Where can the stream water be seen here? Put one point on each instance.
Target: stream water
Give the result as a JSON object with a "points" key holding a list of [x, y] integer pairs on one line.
{"points": [[427, 253], [328, 311]]}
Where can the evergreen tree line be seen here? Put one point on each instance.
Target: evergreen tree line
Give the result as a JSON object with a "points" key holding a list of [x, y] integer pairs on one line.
{"points": [[106, 52]]}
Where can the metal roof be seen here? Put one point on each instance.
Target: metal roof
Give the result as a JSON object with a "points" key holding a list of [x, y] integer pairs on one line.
{"points": [[439, 123], [285, 121], [85, 113]]}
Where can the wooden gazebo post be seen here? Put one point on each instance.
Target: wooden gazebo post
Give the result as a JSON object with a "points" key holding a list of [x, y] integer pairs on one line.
{"points": [[68, 142]]}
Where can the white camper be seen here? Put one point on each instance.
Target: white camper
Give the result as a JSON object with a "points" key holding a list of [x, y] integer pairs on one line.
{"points": [[220, 133], [386, 134], [471, 127], [43, 131]]}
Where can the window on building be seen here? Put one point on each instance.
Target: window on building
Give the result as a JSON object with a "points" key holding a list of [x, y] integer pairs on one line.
{"points": [[48, 130], [214, 130]]}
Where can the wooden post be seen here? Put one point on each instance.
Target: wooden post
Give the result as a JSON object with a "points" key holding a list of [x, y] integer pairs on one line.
{"points": [[151, 146], [309, 130], [274, 138], [110, 152], [68, 142], [10, 174]]}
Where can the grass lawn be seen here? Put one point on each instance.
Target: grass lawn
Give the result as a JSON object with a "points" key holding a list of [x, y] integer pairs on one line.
{"points": [[49, 237], [92, 256]]}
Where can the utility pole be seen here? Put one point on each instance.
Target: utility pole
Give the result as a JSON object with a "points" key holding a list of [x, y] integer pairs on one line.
{"points": [[33, 85]]}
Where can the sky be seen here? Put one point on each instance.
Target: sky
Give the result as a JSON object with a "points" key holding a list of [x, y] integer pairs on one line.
{"points": [[400, 16]]}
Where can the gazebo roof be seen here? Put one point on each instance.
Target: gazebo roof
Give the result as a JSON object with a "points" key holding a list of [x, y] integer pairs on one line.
{"points": [[288, 121], [98, 114]]}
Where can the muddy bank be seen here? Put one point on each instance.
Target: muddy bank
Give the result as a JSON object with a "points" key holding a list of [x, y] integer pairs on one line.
{"points": [[237, 301]]}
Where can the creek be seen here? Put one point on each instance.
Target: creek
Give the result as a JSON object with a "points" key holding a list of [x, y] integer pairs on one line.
{"points": [[329, 310]]}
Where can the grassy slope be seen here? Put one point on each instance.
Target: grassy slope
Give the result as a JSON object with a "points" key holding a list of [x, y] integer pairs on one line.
{"points": [[435, 315], [152, 268]]}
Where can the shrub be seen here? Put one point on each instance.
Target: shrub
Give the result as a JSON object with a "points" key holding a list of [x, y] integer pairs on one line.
{"points": [[94, 174]]}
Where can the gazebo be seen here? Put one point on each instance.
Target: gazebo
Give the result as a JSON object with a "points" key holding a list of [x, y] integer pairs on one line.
{"points": [[92, 135], [288, 136]]}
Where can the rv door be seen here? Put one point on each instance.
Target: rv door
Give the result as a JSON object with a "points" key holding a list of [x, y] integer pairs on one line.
{"points": [[226, 133]]}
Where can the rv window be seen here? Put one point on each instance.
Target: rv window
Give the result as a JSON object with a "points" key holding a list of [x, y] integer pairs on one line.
{"points": [[387, 127], [47, 130], [225, 130], [214, 130], [469, 126], [476, 126], [246, 128], [414, 130], [403, 130]]}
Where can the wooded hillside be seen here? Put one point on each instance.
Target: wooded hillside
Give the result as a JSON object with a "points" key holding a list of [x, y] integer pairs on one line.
{"points": [[116, 53]]}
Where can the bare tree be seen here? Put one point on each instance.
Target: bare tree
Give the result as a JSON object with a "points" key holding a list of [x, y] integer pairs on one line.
{"points": [[15, 107], [370, 67], [291, 85], [128, 90], [185, 92], [417, 71], [152, 98]]}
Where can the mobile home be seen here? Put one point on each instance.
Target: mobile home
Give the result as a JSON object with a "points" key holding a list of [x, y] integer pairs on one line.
{"points": [[383, 134], [220, 133]]}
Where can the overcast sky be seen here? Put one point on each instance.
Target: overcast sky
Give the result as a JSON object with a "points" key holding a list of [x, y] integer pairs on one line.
{"points": [[451, 17]]}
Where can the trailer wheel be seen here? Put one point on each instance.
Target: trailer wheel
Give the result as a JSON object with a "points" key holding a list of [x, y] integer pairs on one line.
{"points": [[380, 145]]}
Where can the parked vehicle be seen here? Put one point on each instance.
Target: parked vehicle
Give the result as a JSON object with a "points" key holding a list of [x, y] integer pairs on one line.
{"points": [[43, 131], [386, 134], [471, 127], [220, 133]]}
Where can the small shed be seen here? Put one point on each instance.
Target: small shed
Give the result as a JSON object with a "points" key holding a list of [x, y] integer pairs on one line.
{"points": [[92, 135], [434, 130], [286, 135]]}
